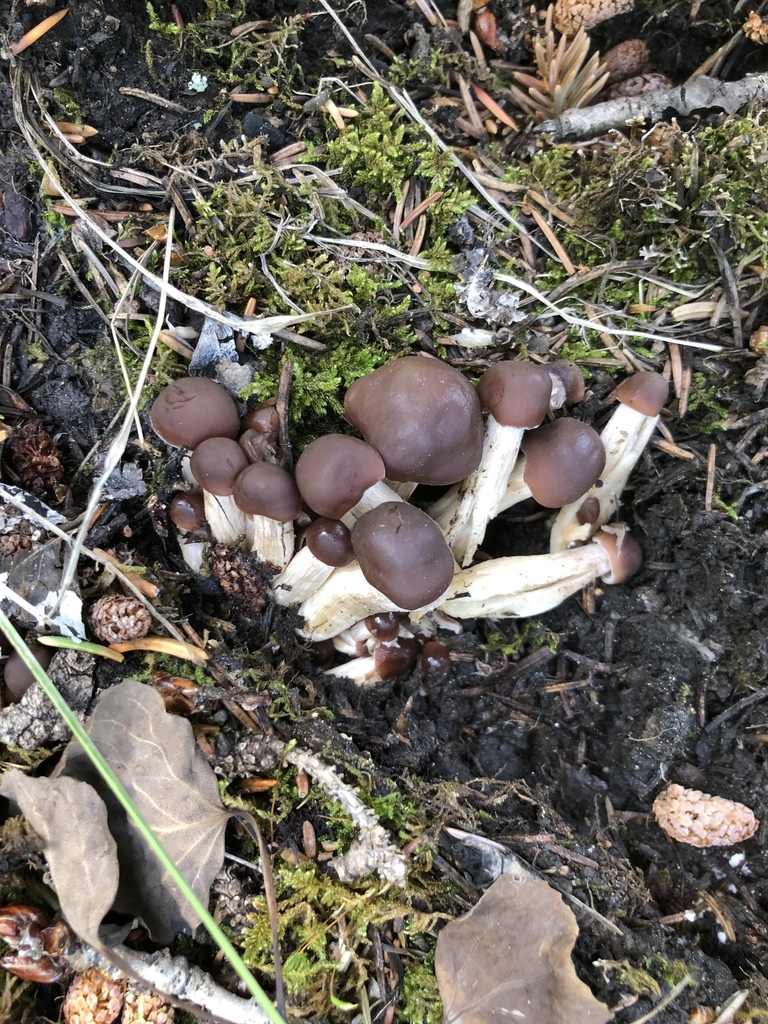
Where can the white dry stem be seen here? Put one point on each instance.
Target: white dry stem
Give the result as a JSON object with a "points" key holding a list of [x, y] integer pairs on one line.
{"points": [[270, 540], [624, 438], [303, 575], [374, 496], [523, 585], [344, 599], [478, 496], [173, 977], [372, 850]]}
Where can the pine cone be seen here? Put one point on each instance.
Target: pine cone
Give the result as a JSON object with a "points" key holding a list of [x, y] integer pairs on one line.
{"points": [[143, 1006], [241, 576], [115, 618], [93, 998], [35, 457], [698, 819]]}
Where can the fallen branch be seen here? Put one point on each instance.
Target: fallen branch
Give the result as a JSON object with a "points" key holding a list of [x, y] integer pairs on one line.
{"points": [[651, 106]]}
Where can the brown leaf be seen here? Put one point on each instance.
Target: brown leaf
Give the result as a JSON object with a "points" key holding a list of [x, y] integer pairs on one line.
{"points": [[156, 758], [71, 818], [509, 958]]}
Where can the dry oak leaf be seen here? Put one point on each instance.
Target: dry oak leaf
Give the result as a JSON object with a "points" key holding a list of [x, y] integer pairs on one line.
{"points": [[509, 958], [158, 761], [71, 819]]}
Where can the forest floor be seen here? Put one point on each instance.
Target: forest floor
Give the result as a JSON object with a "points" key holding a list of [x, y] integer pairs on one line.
{"points": [[278, 136]]}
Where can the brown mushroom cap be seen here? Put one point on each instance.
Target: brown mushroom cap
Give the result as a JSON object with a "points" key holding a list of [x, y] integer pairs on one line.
{"points": [[562, 461], [17, 676], [187, 510], [383, 626], [572, 378], [516, 394], [403, 553], [193, 409], [330, 541], [422, 416], [264, 419], [263, 489], [216, 463], [645, 392], [624, 554], [334, 471]]}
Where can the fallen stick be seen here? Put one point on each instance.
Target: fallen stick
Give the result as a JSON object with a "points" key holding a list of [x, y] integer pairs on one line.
{"points": [[702, 92]]}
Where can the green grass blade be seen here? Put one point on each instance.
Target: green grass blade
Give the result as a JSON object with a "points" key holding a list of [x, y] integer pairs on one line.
{"points": [[157, 847]]}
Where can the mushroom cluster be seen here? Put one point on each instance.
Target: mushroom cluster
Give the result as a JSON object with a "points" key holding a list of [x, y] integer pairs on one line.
{"points": [[367, 549]]}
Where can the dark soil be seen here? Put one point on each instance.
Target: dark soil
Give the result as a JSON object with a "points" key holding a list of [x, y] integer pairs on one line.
{"points": [[552, 738]]}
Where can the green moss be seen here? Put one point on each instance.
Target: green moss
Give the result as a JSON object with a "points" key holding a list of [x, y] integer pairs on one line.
{"points": [[421, 1003], [319, 382], [703, 405], [512, 638]]}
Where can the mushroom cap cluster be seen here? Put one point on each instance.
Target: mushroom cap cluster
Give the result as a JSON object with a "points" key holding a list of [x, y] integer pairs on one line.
{"points": [[422, 423]]}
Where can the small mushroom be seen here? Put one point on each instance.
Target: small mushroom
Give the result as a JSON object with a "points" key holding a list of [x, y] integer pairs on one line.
{"points": [[328, 545], [215, 465], [271, 501], [193, 409], [402, 552], [563, 459], [422, 416], [339, 475], [17, 677], [187, 510], [624, 439], [187, 513], [403, 564], [531, 584], [388, 660], [516, 396]]}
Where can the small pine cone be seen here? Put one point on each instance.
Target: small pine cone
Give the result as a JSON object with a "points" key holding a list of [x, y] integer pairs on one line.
{"points": [[35, 457], [241, 576], [143, 1006], [93, 998], [571, 15], [115, 618], [626, 60], [690, 816], [649, 82]]}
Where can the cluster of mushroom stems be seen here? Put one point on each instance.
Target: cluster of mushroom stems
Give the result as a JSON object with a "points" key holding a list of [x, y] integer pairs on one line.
{"points": [[366, 550]]}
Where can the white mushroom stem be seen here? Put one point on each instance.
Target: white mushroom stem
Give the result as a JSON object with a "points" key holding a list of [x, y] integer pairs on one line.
{"points": [[404, 488], [344, 599], [516, 489], [624, 438], [193, 553], [465, 523], [226, 521], [524, 585], [377, 494], [362, 671], [270, 540], [301, 577]]}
